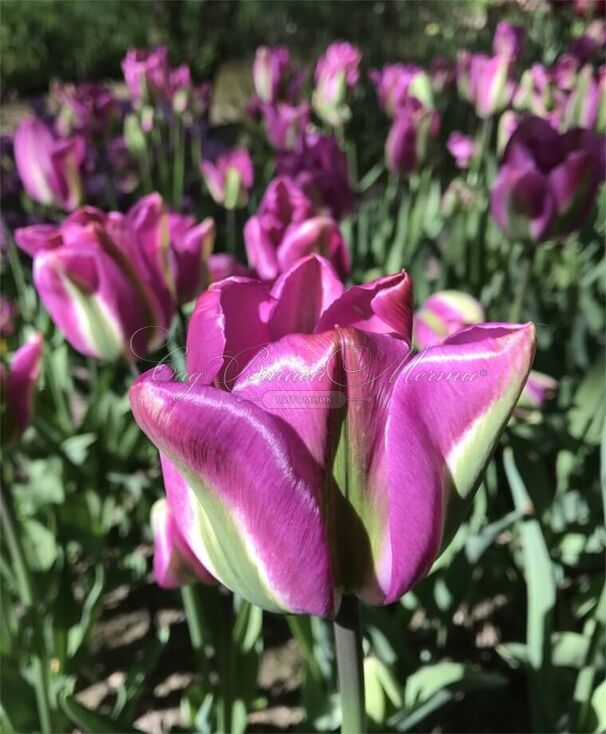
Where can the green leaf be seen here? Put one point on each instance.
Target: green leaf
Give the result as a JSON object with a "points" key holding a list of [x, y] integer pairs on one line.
{"points": [[39, 545], [92, 722]]}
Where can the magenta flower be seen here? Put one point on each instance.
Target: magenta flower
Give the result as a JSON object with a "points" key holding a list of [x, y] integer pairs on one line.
{"points": [[547, 182], [146, 73], [112, 282], [444, 314], [538, 389], [337, 73], [17, 387], [287, 227], [319, 167], [490, 85], [174, 563], [271, 71], [50, 168], [508, 40], [586, 103], [86, 108], [333, 463], [285, 124], [395, 83], [407, 143], [223, 265], [230, 178], [461, 147]]}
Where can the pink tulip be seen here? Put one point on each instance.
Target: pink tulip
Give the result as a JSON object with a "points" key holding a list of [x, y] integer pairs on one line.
{"points": [[146, 73], [287, 227], [337, 73], [86, 108], [230, 178], [396, 83], [444, 314], [18, 383], [508, 40], [462, 148], [284, 124], [49, 167], [407, 144], [333, 461]]}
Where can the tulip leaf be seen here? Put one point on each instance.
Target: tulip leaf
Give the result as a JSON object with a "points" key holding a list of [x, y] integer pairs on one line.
{"points": [[92, 722]]}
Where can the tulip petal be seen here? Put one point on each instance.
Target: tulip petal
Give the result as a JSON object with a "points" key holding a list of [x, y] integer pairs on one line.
{"points": [[302, 295], [382, 306], [257, 515], [21, 382]]}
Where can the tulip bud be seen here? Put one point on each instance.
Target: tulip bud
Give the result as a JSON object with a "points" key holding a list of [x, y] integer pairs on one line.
{"points": [[462, 148], [230, 178], [50, 168], [444, 314], [174, 563], [271, 70], [538, 389], [146, 73], [508, 40], [337, 72], [406, 146], [284, 124], [17, 386], [395, 83], [491, 88]]}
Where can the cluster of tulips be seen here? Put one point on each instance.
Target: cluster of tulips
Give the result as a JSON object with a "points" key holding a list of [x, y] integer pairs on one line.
{"points": [[321, 437]]}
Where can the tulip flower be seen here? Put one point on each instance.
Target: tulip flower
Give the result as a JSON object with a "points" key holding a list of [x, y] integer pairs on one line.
{"points": [[338, 462], [86, 108], [395, 83], [174, 563], [284, 124], [442, 74], [538, 389], [586, 104], [230, 178], [112, 282], [407, 142], [444, 314], [462, 148], [547, 181], [319, 167], [223, 265], [271, 71], [490, 86], [508, 40], [146, 73], [337, 73], [18, 383], [287, 227], [49, 167]]}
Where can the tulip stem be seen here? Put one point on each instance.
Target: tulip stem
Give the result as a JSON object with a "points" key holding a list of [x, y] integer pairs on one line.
{"points": [[193, 613], [230, 217], [350, 659], [225, 660], [26, 594], [515, 312]]}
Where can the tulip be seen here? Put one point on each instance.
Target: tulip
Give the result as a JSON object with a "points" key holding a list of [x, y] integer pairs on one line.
{"points": [[338, 462], [319, 167], [508, 40], [565, 71], [586, 104], [230, 178], [490, 86], [395, 83], [462, 148], [18, 383], [535, 92], [538, 389], [547, 181], [8, 313], [271, 70], [508, 123], [444, 314], [224, 265], [146, 73], [442, 74], [112, 282], [86, 108], [174, 563], [49, 167], [406, 146], [287, 227], [284, 124], [180, 88], [337, 73]]}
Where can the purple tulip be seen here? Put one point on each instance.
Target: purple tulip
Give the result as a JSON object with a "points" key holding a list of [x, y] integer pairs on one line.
{"points": [[174, 563], [508, 124], [180, 88], [337, 73], [547, 182], [538, 389], [271, 71], [319, 167], [112, 282], [49, 167], [17, 387], [146, 73], [490, 85], [442, 74], [444, 314], [8, 313], [508, 40], [462, 148], [335, 461], [565, 71], [586, 103], [223, 265], [287, 227], [230, 178], [407, 143], [395, 83], [86, 108], [284, 124]]}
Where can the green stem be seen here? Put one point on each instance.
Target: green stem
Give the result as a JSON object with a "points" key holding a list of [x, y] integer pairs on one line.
{"points": [[178, 161], [193, 613], [225, 655], [26, 594], [230, 217], [350, 659], [515, 312]]}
